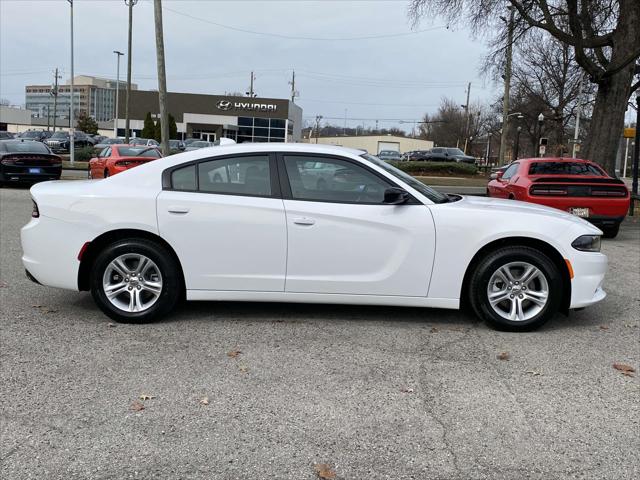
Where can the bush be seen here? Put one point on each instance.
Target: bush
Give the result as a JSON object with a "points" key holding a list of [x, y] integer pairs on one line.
{"points": [[84, 154], [436, 168]]}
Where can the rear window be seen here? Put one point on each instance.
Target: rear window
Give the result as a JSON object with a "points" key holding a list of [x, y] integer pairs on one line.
{"points": [[565, 168], [138, 152], [25, 147]]}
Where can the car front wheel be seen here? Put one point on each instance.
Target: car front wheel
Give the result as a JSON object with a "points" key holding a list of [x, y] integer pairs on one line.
{"points": [[516, 288], [135, 281]]}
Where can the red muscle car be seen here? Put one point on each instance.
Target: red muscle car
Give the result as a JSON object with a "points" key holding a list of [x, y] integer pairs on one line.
{"points": [[118, 158], [580, 187]]}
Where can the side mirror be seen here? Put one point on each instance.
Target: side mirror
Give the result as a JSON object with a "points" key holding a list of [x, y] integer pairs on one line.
{"points": [[493, 176], [499, 175], [395, 196]]}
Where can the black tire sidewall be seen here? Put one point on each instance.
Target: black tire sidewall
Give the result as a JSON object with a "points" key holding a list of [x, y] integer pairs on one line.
{"points": [[491, 263], [171, 280]]}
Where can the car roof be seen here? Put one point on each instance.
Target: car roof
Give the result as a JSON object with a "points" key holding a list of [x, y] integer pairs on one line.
{"points": [[555, 159]]}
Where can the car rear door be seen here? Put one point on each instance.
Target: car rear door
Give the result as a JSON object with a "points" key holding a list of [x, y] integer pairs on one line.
{"points": [[342, 238], [225, 219]]}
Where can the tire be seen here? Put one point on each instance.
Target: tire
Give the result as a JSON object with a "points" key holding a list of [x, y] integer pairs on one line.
{"points": [[158, 290], [486, 279], [611, 232], [105, 174]]}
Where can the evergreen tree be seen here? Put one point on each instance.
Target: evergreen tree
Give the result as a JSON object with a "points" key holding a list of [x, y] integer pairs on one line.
{"points": [[87, 124], [149, 129], [157, 133], [173, 128]]}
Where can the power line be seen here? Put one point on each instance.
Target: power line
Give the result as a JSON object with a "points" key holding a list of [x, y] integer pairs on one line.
{"points": [[292, 37]]}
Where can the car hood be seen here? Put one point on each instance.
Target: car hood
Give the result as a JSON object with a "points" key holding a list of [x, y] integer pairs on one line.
{"points": [[498, 206]]}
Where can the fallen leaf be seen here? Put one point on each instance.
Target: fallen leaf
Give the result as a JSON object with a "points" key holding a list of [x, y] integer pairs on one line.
{"points": [[503, 356], [434, 330], [324, 471], [604, 327], [3, 285], [204, 401], [631, 325], [406, 390], [626, 370], [137, 406], [535, 373], [233, 353], [111, 325], [144, 396], [243, 368]]}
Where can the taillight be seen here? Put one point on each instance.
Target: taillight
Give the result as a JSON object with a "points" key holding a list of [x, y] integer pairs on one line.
{"points": [[8, 161], [124, 163], [35, 213], [609, 193], [552, 191]]}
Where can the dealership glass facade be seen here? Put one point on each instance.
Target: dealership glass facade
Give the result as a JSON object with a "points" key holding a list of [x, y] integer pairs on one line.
{"points": [[254, 129]]}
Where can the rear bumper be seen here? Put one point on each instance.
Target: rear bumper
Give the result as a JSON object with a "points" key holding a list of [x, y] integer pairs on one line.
{"points": [[604, 221], [19, 174]]}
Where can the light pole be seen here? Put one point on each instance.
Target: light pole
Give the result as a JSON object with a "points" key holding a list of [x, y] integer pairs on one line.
{"points": [[71, 124], [636, 156], [115, 119], [516, 147], [130, 4], [540, 123], [318, 118], [488, 147]]}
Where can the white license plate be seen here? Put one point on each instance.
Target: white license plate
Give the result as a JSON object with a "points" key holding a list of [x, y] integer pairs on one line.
{"points": [[35, 170], [579, 212]]}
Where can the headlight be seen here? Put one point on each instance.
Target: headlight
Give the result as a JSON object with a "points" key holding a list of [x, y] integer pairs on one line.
{"points": [[587, 243]]}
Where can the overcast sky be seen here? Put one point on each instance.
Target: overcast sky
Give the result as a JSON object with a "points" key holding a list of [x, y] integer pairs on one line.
{"points": [[398, 77]]}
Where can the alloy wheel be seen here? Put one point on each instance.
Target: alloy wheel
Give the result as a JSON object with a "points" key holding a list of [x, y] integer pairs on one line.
{"points": [[518, 291], [132, 282]]}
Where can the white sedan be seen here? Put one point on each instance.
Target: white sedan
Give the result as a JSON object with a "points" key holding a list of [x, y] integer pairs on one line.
{"points": [[251, 222]]}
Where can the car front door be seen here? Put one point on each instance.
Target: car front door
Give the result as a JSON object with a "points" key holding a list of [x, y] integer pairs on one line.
{"points": [[342, 238], [225, 219]]}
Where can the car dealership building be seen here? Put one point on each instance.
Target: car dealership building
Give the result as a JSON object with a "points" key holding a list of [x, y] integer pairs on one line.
{"points": [[211, 117]]}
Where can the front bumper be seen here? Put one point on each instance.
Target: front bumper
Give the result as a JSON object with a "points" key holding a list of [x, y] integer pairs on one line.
{"points": [[589, 272]]}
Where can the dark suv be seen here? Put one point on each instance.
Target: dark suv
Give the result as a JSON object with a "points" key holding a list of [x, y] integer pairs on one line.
{"points": [[60, 141], [445, 154], [38, 135]]}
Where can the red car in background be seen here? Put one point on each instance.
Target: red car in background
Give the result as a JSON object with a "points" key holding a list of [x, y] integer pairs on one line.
{"points": [[118, 158], [580, 187]]}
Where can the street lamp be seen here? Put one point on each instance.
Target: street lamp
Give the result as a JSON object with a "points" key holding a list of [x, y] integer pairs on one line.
{"points": [[71, 125], [115, 120], [516, 147], [540, 123]]}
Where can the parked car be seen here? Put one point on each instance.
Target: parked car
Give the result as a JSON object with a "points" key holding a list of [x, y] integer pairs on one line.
{"points": [[98, 147], [170, 229], [27, 161], [390, 156], [198, 145], [60, 142], [177, 145], [97, 138], [444, 154], [38, 135], [146, 142], [6, 135], [580, 187], [415, 155], [189, 141], [116, 158]]}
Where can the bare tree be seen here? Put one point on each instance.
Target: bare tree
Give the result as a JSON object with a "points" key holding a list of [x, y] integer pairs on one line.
{"points": [[604, 36]]}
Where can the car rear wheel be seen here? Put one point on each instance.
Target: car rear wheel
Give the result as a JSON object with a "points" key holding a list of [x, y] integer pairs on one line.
{"points": [[135, 281], [516, 288], [611, 231]]}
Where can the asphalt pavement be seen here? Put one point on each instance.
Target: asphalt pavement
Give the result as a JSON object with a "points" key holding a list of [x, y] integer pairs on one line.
{"points": [[282, 391]]}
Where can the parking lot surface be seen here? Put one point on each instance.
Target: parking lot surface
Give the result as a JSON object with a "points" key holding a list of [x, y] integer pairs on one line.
{"points": [[261, 391]]}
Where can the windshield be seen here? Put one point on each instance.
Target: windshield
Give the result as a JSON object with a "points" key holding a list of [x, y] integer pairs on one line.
{"points": [[111, 141], [60, 135], [25, 147], [30, 135], [454, 151], [430, 193], [564, 168]]}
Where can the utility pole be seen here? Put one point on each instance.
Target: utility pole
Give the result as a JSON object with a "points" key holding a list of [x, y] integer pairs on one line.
{"points": [[318, 118], [344, 129], [251, 92], [636, 155], [130, 4], [466, 130], [162, 79], [507, 89], [576, 133], [72, 142], [115, 119], [55, 99], [294, 94]]}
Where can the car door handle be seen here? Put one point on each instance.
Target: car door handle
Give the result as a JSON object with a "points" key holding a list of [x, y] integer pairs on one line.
{"points": [[304, 221], [178, 210]]}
